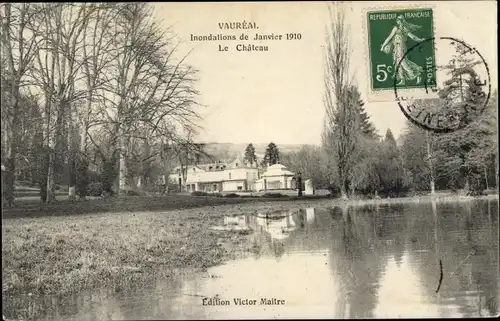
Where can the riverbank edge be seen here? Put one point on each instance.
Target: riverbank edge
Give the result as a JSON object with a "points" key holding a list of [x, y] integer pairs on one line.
{"points": [[181, 202], [68, 254]]}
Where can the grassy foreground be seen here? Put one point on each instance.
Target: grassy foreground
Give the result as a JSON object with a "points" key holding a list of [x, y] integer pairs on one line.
{"points": [[71, 253]]}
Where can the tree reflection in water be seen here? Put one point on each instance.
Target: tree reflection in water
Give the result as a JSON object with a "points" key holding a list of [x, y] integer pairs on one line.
{"points": [[359, 266], [465, 238], [419, 236]]}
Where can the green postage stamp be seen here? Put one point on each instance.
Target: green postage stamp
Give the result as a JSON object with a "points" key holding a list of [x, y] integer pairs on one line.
{"points": [[392, 36]]}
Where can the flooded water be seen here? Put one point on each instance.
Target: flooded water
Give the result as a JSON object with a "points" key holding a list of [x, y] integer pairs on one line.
{"points": [[364, 262]]}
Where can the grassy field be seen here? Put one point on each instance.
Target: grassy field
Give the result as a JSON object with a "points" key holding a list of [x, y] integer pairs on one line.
{"points": [[129, 243], [74, 252]]}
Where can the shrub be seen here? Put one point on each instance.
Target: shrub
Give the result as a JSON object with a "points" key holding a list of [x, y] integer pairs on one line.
{"points": [[217, 195], [274, 195], [109, 174], [199, 193], [131, 192], [82, 177], [476, 185], [230, 195], [476, 192], [95, 189]]}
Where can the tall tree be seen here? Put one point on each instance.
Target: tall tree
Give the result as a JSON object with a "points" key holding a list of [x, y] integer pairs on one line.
{"points": [[152, 93], [363, 176], [418, 150], [250, 156], [57, 75], [464, 97], [365, 125], [272, 155], [389, 139], [341, 98], [18, 48], [484, 152], [97, 56], [390, 166]]}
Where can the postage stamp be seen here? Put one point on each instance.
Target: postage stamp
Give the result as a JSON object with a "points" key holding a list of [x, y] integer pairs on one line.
{"points": [[389, 35]]}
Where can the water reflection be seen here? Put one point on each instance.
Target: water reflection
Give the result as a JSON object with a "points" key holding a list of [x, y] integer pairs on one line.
{"points": [[342, 262], [278, 228], [310, 215], [234, 223]]}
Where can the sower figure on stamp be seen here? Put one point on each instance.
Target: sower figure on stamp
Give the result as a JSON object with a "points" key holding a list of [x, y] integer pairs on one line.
{"points": [[396, 42]]}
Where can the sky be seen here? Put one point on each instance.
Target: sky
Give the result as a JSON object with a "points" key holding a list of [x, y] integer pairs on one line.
{"points": [[278, 95]]}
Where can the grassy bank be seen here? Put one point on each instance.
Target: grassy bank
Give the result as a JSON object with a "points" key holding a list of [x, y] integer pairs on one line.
{"points": [[441, 198], [34, 208]]}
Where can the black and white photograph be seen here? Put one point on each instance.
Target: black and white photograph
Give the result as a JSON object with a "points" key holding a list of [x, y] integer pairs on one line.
{"points": [[249, 160]]}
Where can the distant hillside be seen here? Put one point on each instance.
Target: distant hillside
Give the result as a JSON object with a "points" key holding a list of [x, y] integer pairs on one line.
{"points": [[228, 151]]}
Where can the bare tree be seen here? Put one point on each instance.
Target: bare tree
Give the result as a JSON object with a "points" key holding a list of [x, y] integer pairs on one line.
{"points": [[150, 90], [340, 98], [110, 78], [58, 74], [18, 47], [97, 55]]}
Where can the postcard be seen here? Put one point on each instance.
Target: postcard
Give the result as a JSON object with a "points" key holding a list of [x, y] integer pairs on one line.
{"points": [[249, 160]]}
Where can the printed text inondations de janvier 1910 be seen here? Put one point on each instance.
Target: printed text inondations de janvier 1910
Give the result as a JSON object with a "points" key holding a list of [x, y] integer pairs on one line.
{"points": [[248, 34]]}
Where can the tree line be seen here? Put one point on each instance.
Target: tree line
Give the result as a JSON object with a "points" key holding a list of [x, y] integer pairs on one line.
{"points": [[271, 156], [421, 160], [98, 94], [92, 92], [353, 159]]}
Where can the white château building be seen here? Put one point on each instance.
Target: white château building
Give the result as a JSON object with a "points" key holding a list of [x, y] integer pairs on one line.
{"points": [[236, 176], [276, 177]]}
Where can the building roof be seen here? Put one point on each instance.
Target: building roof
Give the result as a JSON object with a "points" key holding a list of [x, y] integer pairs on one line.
{"points": [[204, 167], [239, 174], [277, 170]]}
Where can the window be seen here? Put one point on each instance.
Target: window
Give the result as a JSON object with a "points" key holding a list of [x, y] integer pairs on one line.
{"points": [[194, 169], [229, 175], [240, 188], [237, 164]]}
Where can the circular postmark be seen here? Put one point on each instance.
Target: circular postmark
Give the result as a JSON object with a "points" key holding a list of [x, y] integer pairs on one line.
{"points": [[448, 90]]}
